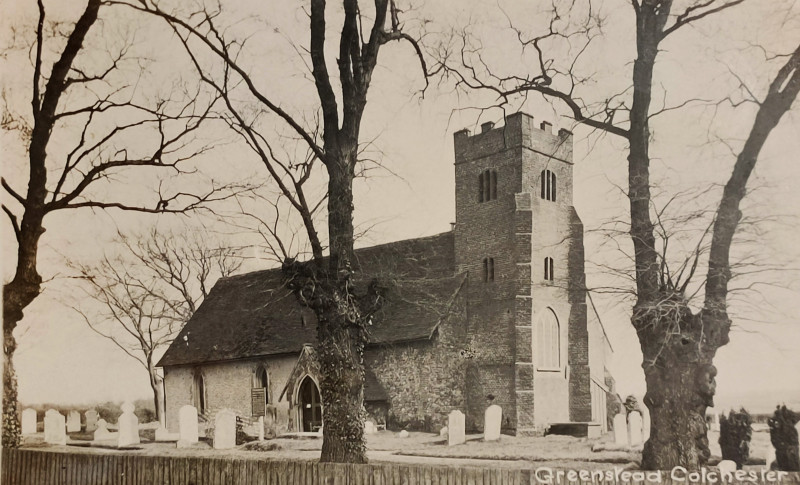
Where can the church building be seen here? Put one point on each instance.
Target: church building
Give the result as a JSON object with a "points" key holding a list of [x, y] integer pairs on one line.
{"points": [[494, 311]]}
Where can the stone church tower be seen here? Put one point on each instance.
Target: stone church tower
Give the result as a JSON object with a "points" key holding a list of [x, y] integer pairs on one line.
{"points": [[520, 240]]}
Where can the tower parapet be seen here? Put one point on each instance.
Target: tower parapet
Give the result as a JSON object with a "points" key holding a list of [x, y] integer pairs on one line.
{"points": [[519, 131]]}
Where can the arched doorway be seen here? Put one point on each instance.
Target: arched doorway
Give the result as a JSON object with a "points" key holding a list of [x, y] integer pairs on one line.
{"points": [[310, 405]]}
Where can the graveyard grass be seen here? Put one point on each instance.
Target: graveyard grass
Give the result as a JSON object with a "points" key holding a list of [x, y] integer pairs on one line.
{"points": [[420, 448]]}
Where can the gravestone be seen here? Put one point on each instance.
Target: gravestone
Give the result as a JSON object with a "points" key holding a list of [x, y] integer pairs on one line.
{"points": [[163, 434], [620, 430], [73, 422], [635, 428], [128, 426], [225, 430], [443, 432], [187, 416], [492, 419], [260, 425], [101, 432], [29, 421], [91, 420], [455, 428], [645, 425], [726, 467], [403, 434], [369, 427], [715, 421], [55, 431]]}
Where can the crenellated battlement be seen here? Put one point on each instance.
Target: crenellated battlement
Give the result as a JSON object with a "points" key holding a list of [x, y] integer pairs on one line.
{"points": [[520, 130]]}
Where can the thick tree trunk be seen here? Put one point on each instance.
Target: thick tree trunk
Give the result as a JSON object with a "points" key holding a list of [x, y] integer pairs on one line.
{"points": [[341, 335], [12, 433], [342, 387], [677, 397], [680, 381], [17, 295]]}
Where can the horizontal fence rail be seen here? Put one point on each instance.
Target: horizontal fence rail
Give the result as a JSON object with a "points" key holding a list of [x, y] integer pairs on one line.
{"points": [[36, 467]]}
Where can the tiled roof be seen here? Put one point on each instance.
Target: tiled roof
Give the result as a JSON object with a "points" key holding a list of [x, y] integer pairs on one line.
{"points": [[253, 315]]}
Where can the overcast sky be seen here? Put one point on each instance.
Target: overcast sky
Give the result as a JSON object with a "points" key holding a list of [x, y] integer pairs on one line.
{"points": [[60, 360]]}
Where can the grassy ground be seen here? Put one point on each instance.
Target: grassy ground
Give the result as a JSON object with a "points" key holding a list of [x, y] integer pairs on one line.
{"points": [[387, 446]]}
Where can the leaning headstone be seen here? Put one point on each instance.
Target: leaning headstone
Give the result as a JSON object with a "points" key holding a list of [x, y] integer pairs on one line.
{"points": [[620, 430], [726, 467], [187, 416], [443, 432], [635, 428], [102, 432], [369, 427], [54, 428], [128, 426], [29, 421], [455, 428], [73, 422], [645, 425], [225, 430], [91, 420], [492, 419]]}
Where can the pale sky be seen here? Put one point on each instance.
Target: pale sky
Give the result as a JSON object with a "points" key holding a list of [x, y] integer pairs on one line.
{"points": [[60, 360]]}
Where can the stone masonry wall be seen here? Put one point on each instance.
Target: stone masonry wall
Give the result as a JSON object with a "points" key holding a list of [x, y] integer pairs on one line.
{"points": [[425, 379]]}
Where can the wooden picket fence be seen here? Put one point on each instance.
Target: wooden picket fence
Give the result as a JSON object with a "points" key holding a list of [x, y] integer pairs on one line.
{"points": [[38, 467], [35, 467]]}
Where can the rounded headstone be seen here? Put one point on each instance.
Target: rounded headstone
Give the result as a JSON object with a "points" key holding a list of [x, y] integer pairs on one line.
{"points": [[493, 419], [225, 430]]}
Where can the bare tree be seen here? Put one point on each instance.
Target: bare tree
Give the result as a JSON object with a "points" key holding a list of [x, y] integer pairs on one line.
{"points": [[678, 344], [87, 101], [150, 290], [327, 286]]}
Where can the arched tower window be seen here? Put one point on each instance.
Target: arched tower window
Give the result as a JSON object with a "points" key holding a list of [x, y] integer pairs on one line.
{"points": [[199, 393], [548, 185], [488, 269], [548, 338], [548, 269], [487, 185]]}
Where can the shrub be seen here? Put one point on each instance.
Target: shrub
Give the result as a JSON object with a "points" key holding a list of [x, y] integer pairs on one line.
{"points": [[734, 436], [145, 415], [783, 435]]}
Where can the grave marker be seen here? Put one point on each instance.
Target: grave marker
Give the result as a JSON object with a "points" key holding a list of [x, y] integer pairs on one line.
{"points": [[91, 420], [102, 432], [225, 430], [620, 430], [455, 428], [29, 421], [73, 422], [188, 424], [128, 426], [54, 428], [635, 428], [492, 419]]}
